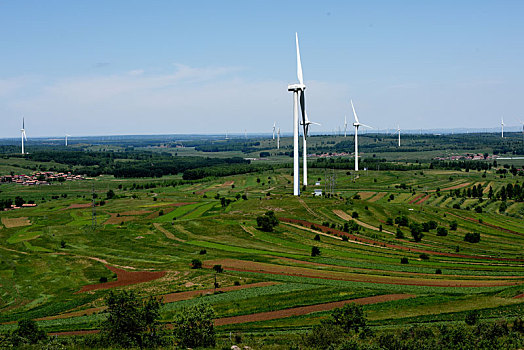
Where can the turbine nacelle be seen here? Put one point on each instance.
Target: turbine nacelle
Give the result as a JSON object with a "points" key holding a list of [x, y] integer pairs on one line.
{"points": [[296, 87]]}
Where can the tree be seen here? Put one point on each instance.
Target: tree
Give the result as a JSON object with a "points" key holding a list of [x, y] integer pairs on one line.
{"points": [[196, 264], [473, 237], [452, 226], [472, 317], [193, 326], [442, 231], [350, 317], [27, 332], [19, 201], [218, 268], [315, 251], [416, 232], [399, 233], [131, 322], [267, 222], [110, 194]]}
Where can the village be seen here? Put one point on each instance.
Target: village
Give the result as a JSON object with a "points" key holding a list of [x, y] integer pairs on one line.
{"points": [[40, 178]]}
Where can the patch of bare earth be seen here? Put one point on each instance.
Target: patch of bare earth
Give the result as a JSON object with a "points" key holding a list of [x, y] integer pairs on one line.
{"points": [[79, 206], [304, 310], [377, 197], [16, 222], [366, 195], [114, 219], [345, 216], [124, 278], [414, 199], [423, 199]]}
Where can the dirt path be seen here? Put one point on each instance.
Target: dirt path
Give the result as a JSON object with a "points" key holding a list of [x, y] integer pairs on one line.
{"points": [[395, 246], [304, 310], [309, 210], [124, 278], [345, 216], [168, 234], [377, 197]]}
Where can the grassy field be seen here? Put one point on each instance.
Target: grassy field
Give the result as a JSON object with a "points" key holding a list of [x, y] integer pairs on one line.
{"points": [[49, 252]]}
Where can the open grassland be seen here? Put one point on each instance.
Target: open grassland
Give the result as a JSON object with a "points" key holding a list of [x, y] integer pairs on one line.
{"points": [[54, 259]]}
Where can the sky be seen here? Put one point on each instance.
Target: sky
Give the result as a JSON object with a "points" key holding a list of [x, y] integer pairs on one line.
{"points": [[171, 67]]}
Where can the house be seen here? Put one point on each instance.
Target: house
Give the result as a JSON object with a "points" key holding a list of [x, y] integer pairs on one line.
{"points": [[318, 193]]}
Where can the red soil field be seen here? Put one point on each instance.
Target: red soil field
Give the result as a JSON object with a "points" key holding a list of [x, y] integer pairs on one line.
{"points": [[124, 278], [394, 246], [422, 200], [304, 310], [416, 198]]}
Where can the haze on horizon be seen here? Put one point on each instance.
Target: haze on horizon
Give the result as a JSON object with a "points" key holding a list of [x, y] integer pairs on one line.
{"points": [[137, 67]]}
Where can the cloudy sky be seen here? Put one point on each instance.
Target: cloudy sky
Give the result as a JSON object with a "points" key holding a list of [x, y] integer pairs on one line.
{"points": [[157, 67]]}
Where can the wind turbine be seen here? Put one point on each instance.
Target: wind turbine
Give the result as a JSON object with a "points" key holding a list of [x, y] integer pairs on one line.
{"points": [[305, 123], [357, 124], [66, 136], [274, 128], [398, 130], [298, 89], [502, 124], [23, 135], [278, 138], [345, 125]]}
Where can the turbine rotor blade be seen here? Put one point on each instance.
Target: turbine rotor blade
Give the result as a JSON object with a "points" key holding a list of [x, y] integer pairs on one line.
{"points": [[303, 106], [299, 63], [354, 113], [366, 126]]}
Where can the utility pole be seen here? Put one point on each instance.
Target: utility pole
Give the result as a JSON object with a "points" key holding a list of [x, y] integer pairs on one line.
{"points": [[93, 215]]}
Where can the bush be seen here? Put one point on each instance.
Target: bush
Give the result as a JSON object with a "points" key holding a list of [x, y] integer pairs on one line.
{"points": [[196, 264], [453, 226], [473, 237], [27, 332], [416, 232], [456, 206], [402, 220], [345, 238], [315, 251], [354, 215], [103, 279], [442, 231], [218, 268], [478, 209], [350, 317], [424, 256], [404, 261], [267, 222], [317, 237], [202, 252], [399, 233], [438, 271], [236, 283], [472, 317], [193, 326]]}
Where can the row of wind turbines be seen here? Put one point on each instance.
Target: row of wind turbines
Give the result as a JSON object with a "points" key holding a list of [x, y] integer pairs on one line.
{"points": [[24, 136], [299, 98]]}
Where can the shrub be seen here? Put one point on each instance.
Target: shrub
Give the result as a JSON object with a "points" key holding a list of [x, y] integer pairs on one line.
{"points": [[456, 206], [472, 317], [103, 279], [267, 222], [345, 238], [315, 251], [402, 220], [27, 331], [196, 264], [62, 244], [218, 268], [354, 215], [236, 283], [389, 221], [438, 271], [473, 237], [317, 237], [416, 232], [202, 251], [424, 256], [442, 231], [478, 209], [399, 233], [404, 261], [350, 317], [453, 226]]}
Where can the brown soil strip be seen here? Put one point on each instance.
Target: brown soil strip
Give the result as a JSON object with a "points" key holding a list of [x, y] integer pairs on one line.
{"points": [[168, 234], [377, 197], [16, 222], [166, 298], [422, 200], [135, 212], [345, 216], [225, 184], [304, 310], [415, 198], [286, 270], [115, 220], [124, 278], [485, 224], [78, 206], [394, 246], [311, 230], [456, 186], [519, 296]]}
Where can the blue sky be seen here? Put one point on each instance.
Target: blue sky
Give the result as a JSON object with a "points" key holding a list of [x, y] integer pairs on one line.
{"points": [[153, 67]]}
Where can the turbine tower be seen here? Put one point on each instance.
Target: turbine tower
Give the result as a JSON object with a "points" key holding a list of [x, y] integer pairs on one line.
{"points": [[305, 123], [298, 89], [357, 124], [66, 136], [278, 138], [398, 130], [502, 124], [274, 127], [345, 125], [23, 135]]}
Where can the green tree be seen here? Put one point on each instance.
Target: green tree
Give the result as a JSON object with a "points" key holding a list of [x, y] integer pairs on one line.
{"points": [[442, 231], [130, 321], [27, 332], [110, 194], [193, 326], [268, 221], [196, 264], [315, 251], [350, 318], [416, 232]]}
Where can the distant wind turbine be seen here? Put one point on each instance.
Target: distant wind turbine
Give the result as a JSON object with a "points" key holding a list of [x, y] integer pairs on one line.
{"points": [[23, 135], [274, 128], [345, 125], [66, 136], [278, 138], [398, 130], [502, 125], [357, 124]]}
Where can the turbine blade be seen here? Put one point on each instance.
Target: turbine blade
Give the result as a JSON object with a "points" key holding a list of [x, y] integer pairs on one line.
{"points": [[315, 123], [303, 106], [299, 63], [366, 126], [354, 113]]}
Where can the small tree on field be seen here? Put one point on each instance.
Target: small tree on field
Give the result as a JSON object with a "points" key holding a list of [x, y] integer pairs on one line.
{"points": [[399, 233], [196, 264], [193, 326], [453, 226], [315, 251], [27, 332], [267, 222], [110, 194], [350, 317], [442, 231], [416, 232]]}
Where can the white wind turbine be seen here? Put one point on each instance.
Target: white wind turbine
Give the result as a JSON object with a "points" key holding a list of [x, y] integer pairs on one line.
{"points": [[23, 135], [298, 89], [398, 130], [66, 136], [345, 125], [357, 124], [274, 128], [278, 138], [502, 125]]}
